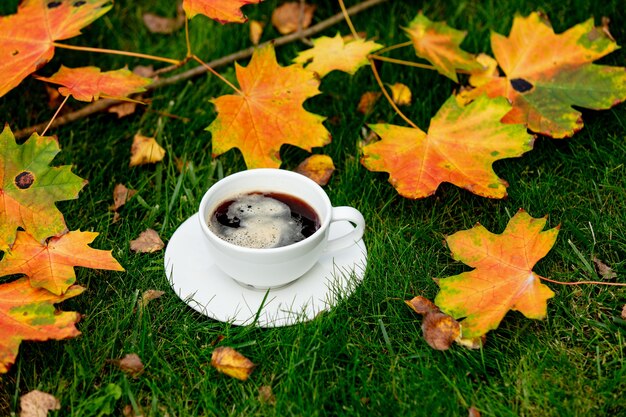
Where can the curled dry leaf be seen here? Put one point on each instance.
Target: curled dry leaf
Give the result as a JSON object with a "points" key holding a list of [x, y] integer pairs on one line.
{"points": [[400, 94], [605, 271], [319, 168], [164, 25], [37, 404], [422, 305], [232, 363], [147, 242], [149, 295], [440, 330], [145, 150], [367, 102], [121, 195], [286, 18], [266, 395], [256, 30], [130, 364]]}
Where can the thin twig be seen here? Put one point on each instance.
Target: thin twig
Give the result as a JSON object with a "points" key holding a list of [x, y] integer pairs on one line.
{"points": [[402, 62], [348, 20], [614, 284], [116, 52], [102, 105], [388, 97], [56, 113]]}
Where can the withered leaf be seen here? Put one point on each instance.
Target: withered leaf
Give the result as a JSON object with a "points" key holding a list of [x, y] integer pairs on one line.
{"points": [[256, 30], [286, 18], [164, 25], [367, 102], [37, 404], [148, 296], [147, 242], [121, 195], [319, 168], [232, 363], [145, 150], [130, 364], [473, 412], [624, 312], [605, 271], [266, 395], [440, 330]]}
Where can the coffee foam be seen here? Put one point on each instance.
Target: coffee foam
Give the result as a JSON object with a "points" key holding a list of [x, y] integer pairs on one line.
{"points": [[264, 222]]}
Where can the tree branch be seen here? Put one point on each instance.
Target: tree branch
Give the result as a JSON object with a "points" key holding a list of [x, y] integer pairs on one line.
{"points": [[104, 104]]}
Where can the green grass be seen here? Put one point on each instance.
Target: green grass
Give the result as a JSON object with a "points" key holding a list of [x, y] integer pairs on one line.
{"points": [[366, 356]]}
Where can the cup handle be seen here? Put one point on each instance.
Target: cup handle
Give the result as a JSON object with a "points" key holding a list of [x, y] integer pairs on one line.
{"points": [[353, 216]]}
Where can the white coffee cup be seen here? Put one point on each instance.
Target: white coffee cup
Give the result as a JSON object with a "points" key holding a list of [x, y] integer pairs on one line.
{"points": [[274, 267]]}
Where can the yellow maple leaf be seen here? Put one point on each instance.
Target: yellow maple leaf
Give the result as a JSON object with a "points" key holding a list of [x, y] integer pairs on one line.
{"points": [[145, 150], [330, 54]]}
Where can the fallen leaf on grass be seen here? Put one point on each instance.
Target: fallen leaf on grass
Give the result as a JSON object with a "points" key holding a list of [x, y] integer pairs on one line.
{"points": [[50, 265], [319, 168], [624, 312], [223, 11], [121, 195], [605, 271], [461, 146], [28, 313], [129, 411], [440, 44], [368, 101], [268, 113], [147, 242], [145, 150], [29, 188], [130, 364], [543, 83], [37, 404], [286, 17], [503, 278], [123, 109], [164, 25], [266, 395], [89, 84], [256, 30], [148, 296], [28, 37], [400, 94], [329, 54], [232, 363], [473, 412]]}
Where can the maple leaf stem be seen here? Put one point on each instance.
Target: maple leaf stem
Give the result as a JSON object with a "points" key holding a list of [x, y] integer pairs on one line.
{"points": [[116, 52], [389, 99], [187, 40], [402, 62], [217, 74], [348, 20], [56, 113], [614, 284], [392, 47]]}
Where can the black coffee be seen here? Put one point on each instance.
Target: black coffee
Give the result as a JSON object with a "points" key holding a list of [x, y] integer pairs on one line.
{"points": [[264, 220]]}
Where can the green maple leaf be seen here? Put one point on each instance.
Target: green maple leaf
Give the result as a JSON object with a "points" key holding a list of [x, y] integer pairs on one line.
{"points": [[29, 188]]}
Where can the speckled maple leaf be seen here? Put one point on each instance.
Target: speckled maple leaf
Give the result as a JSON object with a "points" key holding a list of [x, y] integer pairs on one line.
{"points": [[503, 278], [267, 112], [547, 73], [27, 37], [29, 188]]}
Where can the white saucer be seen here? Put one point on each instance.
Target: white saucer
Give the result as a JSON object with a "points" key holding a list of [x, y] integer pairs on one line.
{"points": [[191, 271]]}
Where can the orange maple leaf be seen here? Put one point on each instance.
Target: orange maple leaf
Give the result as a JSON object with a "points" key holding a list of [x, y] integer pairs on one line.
{"points": [[50, 265], [461, 145], [27, 37], [543, 83], [28, 313], [503, 278], [88, 83], [268, 112], [439, 44], [330, 54], [224, 11]]}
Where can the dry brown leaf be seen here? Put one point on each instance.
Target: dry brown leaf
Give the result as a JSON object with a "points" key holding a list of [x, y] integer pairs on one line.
{"points": [[473, 412], [400, 94], [121, 195], [256, 30], [37, 404], [286, 18], [605, 271], [124, 109], [147, 242], [232, 363], [145, 150], [624, 312], [54, 97], [165, 25], [130, 364], [422, 305], [149, 295], [129, 411], [474, 343], [319, 168], [266, 396], [440, 330], [367, 102]]}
